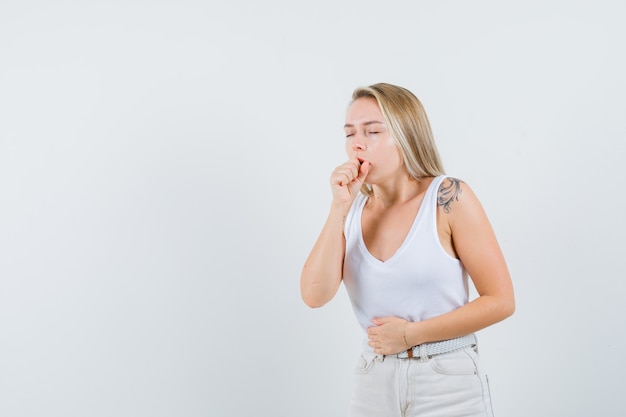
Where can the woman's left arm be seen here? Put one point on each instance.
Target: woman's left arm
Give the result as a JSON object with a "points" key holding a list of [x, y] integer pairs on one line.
{"points": [[463, 218]]}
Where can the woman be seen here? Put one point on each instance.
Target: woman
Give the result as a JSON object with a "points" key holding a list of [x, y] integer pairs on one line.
{"points": [[404, 239]]}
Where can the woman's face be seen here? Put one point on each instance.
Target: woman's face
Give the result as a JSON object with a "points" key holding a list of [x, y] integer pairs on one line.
{"points": [[368, 139]]}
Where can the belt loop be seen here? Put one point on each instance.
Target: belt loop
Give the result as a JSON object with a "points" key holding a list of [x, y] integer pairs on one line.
{"points": [[409, 352], [423, 355]]}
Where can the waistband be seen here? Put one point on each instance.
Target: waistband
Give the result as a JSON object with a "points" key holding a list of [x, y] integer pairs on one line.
{"points": [[437, 348]]}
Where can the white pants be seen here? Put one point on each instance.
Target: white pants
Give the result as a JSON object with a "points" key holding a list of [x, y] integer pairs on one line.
{"points": [[447, 385]]}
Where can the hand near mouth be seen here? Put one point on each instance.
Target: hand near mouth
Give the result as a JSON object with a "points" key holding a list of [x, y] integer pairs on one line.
{"points": [[347, 179]]}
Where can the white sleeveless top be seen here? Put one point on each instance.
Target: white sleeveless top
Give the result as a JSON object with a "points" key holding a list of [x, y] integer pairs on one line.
{"points": [[421, 280]]}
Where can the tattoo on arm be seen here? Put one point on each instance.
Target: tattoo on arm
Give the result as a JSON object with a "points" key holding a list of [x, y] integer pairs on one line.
{"points": [[449, 191]]}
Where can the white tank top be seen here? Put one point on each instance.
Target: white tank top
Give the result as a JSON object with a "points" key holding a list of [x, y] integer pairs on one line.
{"points": [[421, 280]]}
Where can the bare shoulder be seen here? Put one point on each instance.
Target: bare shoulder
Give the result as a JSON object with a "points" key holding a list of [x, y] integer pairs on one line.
{"points": [[455, 195]]}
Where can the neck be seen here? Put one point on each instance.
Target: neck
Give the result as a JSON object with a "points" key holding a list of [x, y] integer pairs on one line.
{"points": [[396, 192]]}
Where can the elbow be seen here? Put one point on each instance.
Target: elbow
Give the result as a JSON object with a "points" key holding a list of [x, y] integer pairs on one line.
{"points": [[507, 307], [313, 303], [315, 292], [499, 307], [311, 300]]}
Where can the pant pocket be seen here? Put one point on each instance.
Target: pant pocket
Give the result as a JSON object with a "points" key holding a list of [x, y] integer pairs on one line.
{"points": [[365, 363], [459, 362]]}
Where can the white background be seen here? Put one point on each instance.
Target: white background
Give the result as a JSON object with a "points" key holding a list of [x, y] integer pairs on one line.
{"points": [[163, 176]]}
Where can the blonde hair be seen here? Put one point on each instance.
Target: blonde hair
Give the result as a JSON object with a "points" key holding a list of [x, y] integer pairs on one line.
{"points": [[406, 118]]}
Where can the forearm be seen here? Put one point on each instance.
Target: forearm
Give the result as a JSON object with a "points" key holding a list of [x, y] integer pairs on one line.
{"points": [[465, 229], [323, 269], [474, 316]]}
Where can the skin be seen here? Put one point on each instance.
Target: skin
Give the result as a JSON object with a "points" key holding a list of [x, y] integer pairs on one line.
{"points": [[463, 228]]}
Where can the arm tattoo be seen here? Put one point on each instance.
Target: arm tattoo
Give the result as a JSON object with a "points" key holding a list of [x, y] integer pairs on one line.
{"points": [[448, 192]]}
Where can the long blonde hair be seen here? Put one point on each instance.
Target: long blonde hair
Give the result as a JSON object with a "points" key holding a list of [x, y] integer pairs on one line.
{"points": [[406, 118]]}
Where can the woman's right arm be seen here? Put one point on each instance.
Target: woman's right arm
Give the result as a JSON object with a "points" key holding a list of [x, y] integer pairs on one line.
{"points": [[323, 269]]}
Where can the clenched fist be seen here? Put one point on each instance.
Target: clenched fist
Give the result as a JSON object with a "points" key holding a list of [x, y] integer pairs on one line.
{"points": [[347, 179]]}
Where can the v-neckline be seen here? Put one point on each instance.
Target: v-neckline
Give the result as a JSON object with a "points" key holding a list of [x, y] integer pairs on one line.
{"points": [[407, 238]]}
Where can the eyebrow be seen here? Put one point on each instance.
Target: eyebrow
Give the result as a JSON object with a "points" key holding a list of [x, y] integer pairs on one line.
{"points": [[371, 122]]}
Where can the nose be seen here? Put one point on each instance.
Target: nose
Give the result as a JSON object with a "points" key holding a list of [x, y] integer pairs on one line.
{"points": [[358, 145]]}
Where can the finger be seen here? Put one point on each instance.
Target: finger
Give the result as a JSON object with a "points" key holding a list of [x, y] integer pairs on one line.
{"points": [[344, 174], [341, 177], [380, 320], [363, 170], [354, 169], [345, 179], [373, 336]]}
